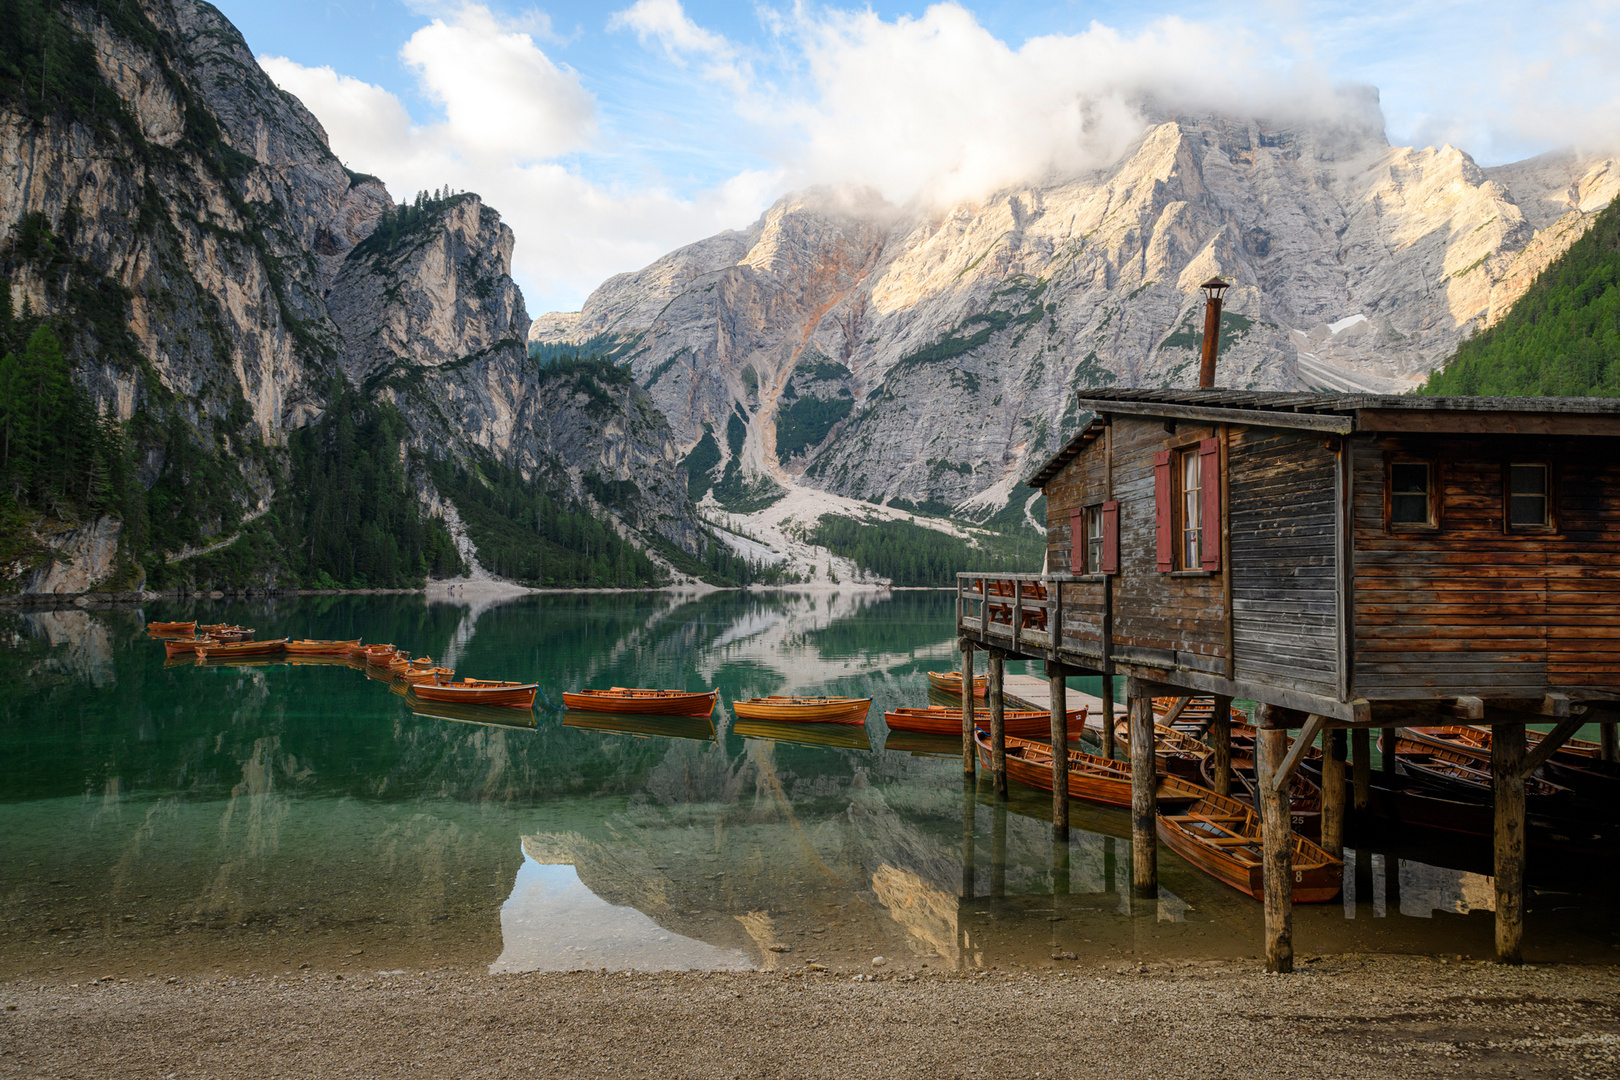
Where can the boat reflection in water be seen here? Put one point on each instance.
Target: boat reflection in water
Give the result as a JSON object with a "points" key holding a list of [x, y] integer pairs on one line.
{"points": [[833, 736], [642, 725], [489, 715], [553, 922]]}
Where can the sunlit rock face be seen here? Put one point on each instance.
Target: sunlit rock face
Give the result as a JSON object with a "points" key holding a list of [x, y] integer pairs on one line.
{"points": [[205, 209], [960, 333]]}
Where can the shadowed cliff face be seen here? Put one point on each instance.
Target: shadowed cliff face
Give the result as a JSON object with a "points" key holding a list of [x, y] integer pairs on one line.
{"points": [[963, 332], [186, 225]]}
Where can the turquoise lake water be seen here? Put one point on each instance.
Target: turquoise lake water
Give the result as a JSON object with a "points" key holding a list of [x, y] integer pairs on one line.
{"points": [[263, 816]]}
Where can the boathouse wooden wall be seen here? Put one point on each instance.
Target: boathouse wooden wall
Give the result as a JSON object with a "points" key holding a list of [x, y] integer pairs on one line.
{"points": [[1471, 607], [1284, 522]]}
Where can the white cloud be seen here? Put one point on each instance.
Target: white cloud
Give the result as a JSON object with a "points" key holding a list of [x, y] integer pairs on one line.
{"points": [[509, 111], [501, 95], [666, 22]]}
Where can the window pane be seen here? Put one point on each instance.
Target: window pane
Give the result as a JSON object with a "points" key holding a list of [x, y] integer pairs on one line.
{"points": [[1528, 487], [1191, 516], [1529, 510], [1409, 493]]}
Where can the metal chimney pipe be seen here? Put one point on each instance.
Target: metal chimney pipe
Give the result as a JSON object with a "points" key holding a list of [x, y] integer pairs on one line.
{"points": [[1214, 289]]}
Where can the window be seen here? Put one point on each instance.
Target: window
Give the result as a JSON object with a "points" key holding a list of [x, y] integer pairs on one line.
{"points": [[1528, 501], [1410, 493], [1192, 517], [1094, 540]]}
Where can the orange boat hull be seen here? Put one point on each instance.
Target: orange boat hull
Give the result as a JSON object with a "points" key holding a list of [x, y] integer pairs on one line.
{"points": [[1318, 877], [320, 648], [1097, 780], [180, 648], [517, 696], [941, 720], [804, 710], [951, 683], [172, 627], [243, 648], [647, 702]]}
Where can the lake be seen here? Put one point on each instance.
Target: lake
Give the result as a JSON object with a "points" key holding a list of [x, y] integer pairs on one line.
{"points": [[170, 817]]}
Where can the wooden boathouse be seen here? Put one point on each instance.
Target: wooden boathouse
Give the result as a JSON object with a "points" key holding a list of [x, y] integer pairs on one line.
{"points": [[1348, 562]]}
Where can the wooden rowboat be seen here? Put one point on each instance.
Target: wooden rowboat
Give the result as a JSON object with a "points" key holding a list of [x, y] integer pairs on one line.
{"points": [[1451, 772], [944, 720], [479, 692], [210, 629], [378, 655], [356, 651], [308, 647], [951, 683], [172, 627], [1179, 753], [1221, 836], [804, 710], [1304, 797], [233, 635], [415, 675], [187, 647], [1092, 779], [1476, 742], [626, 699], [242, 648], [401, 661]]}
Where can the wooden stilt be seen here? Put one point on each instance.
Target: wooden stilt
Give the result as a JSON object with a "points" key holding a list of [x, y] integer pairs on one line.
{"points": [[1507, 773], [970, 802], [1333, 792], [998, 722], [1606, 736], [970, 757], [1144, 797], [998, 849], [1220, 738], [1060, 755], [1361, 766], [1277, 847], [1108, 748], [1387, 757]]}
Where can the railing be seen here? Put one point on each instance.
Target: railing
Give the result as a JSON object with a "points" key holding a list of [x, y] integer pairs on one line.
{"points": [[1024, 607]]}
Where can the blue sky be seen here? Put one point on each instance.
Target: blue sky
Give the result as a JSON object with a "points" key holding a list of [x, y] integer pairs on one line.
{"points": [[609, 134]]}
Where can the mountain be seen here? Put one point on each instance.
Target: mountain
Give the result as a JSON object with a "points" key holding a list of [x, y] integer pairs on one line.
{"points": [[1562, 338], [928, 356], [231, 362]]}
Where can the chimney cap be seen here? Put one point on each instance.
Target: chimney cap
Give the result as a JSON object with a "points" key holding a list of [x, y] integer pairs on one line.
{"points": [[1215, 286]]}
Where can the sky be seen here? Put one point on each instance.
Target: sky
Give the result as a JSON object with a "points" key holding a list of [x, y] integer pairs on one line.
{"points": [[610, 134]]}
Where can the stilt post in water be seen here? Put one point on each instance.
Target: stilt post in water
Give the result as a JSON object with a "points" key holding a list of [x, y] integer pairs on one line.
{"points": [[1507, 780], [1108, 748], [998, 721], [1220, 738], [970, 756], [1144, 793], [1361, 767], [1387, 756], [1060, 751], [1333, 747], [1606, 735], [1277, 843]]}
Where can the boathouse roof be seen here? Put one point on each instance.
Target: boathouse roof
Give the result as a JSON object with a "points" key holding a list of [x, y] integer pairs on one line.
{"points": [[1343, 414]]}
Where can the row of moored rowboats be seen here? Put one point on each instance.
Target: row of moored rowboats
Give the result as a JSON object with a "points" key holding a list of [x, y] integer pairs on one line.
{"points": [[426, 681]]}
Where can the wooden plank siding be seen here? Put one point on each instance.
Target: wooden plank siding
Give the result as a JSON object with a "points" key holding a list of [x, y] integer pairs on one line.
{"points": [[1470, 607], [1284, 559]]}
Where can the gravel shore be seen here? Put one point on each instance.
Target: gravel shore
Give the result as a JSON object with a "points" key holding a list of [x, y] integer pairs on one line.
{"points": [[1348, 1016]]}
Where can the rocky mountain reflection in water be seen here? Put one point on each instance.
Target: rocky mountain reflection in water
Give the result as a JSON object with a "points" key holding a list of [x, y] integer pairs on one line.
{"points": [[262, 816]]}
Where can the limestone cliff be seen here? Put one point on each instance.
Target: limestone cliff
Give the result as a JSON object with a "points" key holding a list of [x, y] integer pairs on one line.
{"points": [[214, 269], [958, 334]]}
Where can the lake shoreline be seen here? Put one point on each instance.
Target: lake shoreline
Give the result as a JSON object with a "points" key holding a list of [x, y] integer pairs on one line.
{"points": [[451, 590], [1350, 1015]]}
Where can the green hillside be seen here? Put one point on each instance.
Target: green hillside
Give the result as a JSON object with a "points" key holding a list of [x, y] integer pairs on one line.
{"points": [[1562, 339]]}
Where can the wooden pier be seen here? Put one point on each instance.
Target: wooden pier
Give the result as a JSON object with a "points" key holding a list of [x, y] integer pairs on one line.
{"points": [[1352, 563]]}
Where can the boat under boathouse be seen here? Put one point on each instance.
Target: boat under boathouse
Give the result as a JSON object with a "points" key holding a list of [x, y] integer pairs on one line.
{"points": [[1348, 562]]}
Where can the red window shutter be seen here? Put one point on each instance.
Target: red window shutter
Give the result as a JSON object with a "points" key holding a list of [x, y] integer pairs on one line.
{"points": [[1209, 502], [1110, 523], [1161, 506], [1077, 541]]}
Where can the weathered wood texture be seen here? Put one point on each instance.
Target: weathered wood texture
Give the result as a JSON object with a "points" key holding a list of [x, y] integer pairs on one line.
{"points": [[1277, 850], [1220, 738], [1471, 607], [1361, 766], [970, 753], [1507, 772], [1333, 792], [1060, 763], [1144, 797], [1284, 559], [998, 722]]}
